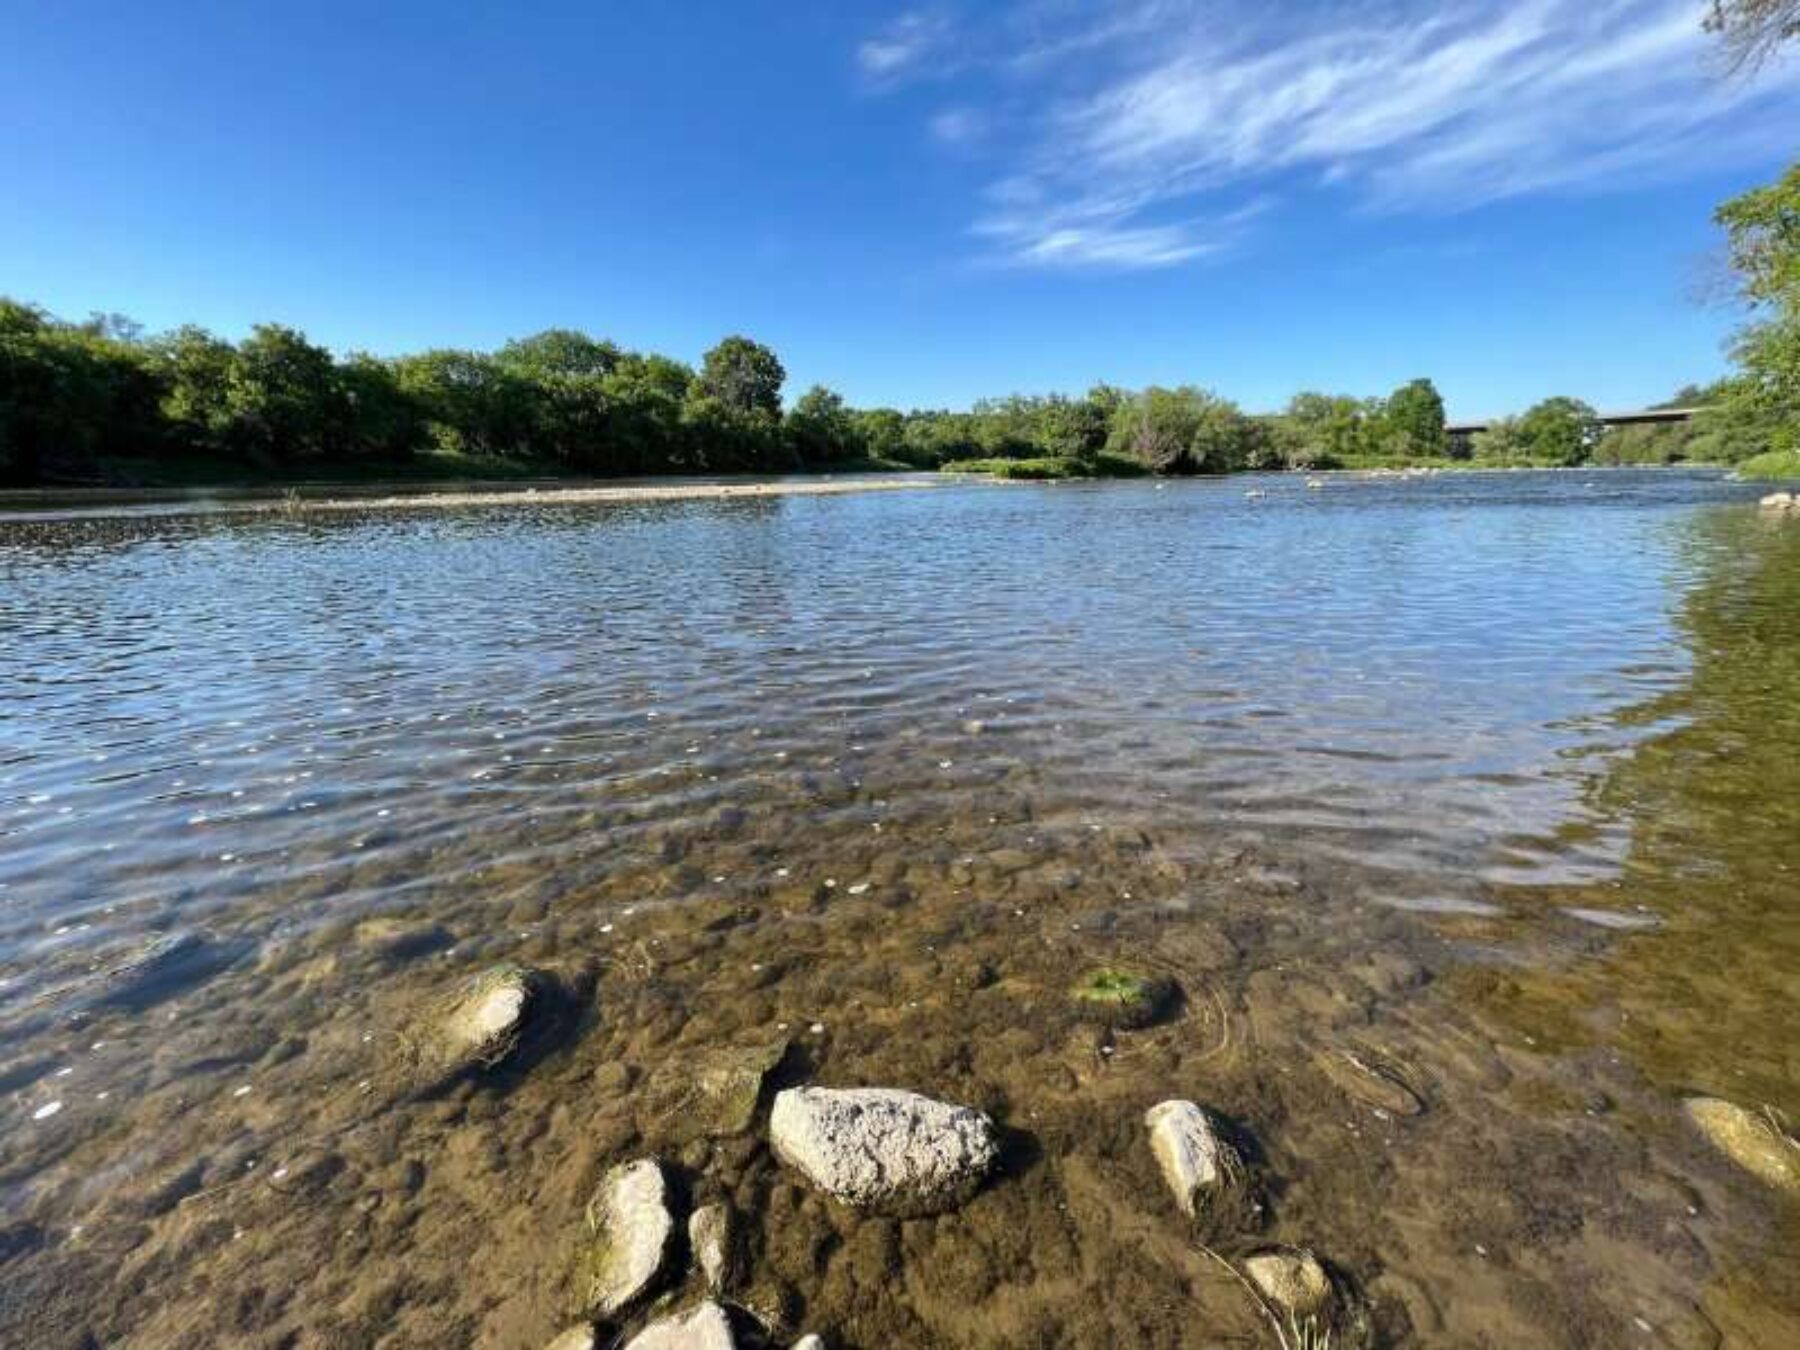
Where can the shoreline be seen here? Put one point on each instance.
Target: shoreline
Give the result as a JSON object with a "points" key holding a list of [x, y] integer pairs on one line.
{"points": [[36, 504]]}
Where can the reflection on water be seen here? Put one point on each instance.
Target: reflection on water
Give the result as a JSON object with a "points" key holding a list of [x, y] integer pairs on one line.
{"points": [[884, 774]]}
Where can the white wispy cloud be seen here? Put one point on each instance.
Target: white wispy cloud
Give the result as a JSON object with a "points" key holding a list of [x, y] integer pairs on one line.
{"points": [[1136, 127], [904, 46]]}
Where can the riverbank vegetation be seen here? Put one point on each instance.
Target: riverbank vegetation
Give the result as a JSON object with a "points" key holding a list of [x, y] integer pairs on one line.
{"points": [[99, 401]]}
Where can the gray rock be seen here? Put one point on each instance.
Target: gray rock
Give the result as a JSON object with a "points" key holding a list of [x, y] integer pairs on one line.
{"points": [[631, 1229], [883, 1149], [810, 1343], [1748, 1139], [702, 1328], [1199, 1166], [1293, 1281], [713, 1242], [575, 1338]]}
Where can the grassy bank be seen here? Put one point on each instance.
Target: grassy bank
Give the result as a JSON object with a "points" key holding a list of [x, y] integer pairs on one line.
{"points": [[1050, 468], [1776, 465]]}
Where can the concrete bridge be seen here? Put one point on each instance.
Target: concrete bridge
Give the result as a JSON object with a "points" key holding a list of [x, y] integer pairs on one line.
{"points": [[1648, 417]]}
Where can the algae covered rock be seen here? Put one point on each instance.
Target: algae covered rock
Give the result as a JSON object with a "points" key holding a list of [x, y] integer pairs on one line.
{"points": [[704, 1327], [1750, 1140], [1293, 1282], [630, 1229], [1123, 998], [882, 1149], [1201, 1168], [482, 1022]]}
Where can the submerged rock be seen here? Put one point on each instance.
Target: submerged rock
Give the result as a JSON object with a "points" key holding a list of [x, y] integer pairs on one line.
{"points": [[575, 1338], [1293, 1281], [711, 1239], [1200, 1167], [729, 1087], [883, 1149], [391, 940], [1750, 1140], [702, 1328], [1123, 998], [631, 1227], [1371, 1082], [161, 968], [485, 1019]]}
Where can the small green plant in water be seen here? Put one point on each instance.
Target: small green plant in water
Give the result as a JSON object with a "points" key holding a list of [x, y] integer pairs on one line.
{"points": [[1122, 997]]}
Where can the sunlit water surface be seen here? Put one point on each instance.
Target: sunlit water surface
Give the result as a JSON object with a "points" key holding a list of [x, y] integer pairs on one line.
{"points": [[1491, 777]]}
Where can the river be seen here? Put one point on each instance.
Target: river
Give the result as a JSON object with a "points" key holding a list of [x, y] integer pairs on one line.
{"points": [[1488, 779]]}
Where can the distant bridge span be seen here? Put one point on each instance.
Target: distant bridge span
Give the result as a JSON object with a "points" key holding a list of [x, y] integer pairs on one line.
{"points": [[1648, 417]]}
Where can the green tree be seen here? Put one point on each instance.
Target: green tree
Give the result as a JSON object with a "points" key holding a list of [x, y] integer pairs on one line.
{"points": [[1415, 420], [1753, 29], [1501, 443], [283, 400], [823, 430], [743, 376], [1558, 431], [1184, 431]]}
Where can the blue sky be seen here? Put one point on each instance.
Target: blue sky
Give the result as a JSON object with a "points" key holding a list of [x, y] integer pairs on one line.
{"points": [[917, 205]]}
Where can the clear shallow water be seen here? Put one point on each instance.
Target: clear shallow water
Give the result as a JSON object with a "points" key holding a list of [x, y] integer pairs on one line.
{"points": [[1342, 760]]}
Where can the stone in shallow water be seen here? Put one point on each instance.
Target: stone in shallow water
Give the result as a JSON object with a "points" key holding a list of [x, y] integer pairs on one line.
{"points": [[710, 1237], [1748, 1139], [631, 1228], [1293, 1281], [1123, 998], [882, 1149], [728, 1088], [703, 1328], [575, 1338], [487, 1016], [1198, 1165], [1623, 921], [1371, 1082]]}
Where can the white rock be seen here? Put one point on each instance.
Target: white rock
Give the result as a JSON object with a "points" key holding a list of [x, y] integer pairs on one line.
{"points": [[812, 1342], [1293, 1281], [710, 1238], [1195, 1162], [631, 1225], [702, 1328], [883, 1149], [575, 1338], [1779, 501]]}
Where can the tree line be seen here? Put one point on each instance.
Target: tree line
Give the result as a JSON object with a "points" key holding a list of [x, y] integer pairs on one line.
{"points": [[99, 400]]}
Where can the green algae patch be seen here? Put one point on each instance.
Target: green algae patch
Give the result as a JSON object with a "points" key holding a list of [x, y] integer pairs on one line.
{"points": [[1123, 998]]}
